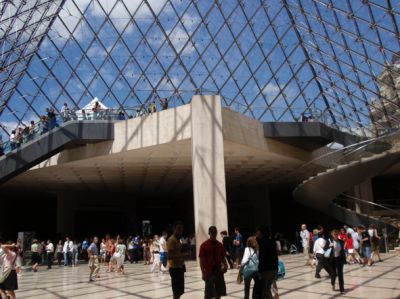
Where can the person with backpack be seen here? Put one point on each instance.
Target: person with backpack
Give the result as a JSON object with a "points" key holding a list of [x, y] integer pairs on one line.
{"points": [[249, 267], [320, 246]]}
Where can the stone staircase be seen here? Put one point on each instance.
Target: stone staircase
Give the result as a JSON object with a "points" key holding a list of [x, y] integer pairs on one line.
{"points": [[319, 190], [350, 167]]}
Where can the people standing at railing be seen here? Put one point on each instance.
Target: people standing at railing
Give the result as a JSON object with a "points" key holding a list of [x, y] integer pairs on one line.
{"points": [[32, 127], [51, 115], [12, 140], [65, 113], [164, 103], [121, 115], [152, 107], [44, 125], [19, 136], [96, 110]]}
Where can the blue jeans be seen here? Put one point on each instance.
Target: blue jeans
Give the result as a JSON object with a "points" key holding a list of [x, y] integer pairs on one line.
{"points": [[163, 258]]}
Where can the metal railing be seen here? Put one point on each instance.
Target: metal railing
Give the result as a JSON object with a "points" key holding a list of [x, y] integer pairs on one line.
{"points": [[347, 154], [47, 124], [389, 231], [347, 198]]}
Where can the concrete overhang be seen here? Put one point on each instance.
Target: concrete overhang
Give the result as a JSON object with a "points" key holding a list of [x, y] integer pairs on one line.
{"points": [[307, 135]]}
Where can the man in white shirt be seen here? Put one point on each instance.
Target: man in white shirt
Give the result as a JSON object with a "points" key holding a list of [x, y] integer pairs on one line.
{"points": [[319, 250], [67, 251], [49, 253], [163, 251]]}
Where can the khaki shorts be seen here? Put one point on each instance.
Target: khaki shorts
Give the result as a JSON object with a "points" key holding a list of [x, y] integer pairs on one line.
{"points": [[94, 262]]}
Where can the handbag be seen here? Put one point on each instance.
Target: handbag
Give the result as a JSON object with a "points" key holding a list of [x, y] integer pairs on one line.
{"points": [[327, 253], [239, 277], [4, 275], [251, 267]]}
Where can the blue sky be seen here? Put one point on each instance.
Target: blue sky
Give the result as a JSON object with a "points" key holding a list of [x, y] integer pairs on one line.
{"points": [[256, 71]]}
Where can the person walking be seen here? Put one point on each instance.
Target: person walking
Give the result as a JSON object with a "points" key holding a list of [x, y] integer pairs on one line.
{"points": [[49, 253], [176, 261], [238, 246], [93, 254], [121, 252], [349, 247], [136, 249], [365, 245], [250, 258], [319, 251], [337, 260], [155, 250], [8, 258], [305, 242], [213, 265], [163, 252], [375, 239], [66, 251], [59, 252], [228, 248], [267, 261], [35, 250]]}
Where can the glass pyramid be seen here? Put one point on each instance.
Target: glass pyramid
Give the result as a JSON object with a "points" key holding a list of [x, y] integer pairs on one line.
{"points": [[270, 60]]}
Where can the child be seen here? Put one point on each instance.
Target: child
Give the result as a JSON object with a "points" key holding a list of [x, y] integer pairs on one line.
{"points": [[349, 246]]}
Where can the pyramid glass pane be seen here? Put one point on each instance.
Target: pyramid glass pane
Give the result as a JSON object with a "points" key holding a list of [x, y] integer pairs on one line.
{"points": [[274, 60]]}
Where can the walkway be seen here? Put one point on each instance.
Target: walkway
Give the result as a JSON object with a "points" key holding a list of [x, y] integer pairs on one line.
{"points": [[379, 281]]}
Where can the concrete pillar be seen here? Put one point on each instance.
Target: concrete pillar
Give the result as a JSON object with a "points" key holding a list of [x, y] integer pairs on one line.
{"points": [[208, 166], [364, 191]]}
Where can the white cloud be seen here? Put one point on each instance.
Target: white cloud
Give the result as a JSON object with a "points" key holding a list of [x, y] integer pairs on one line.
{"points": [[271, 90]]}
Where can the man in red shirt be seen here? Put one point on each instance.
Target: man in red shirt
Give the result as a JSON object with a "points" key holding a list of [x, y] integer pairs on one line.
{"points": [[213, 265]]}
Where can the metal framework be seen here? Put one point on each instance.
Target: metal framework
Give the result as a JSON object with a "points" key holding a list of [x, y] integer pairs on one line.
{"points": [[271, 60]]}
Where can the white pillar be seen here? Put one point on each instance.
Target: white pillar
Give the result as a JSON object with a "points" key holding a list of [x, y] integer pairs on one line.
{"points": [[208, 166]]}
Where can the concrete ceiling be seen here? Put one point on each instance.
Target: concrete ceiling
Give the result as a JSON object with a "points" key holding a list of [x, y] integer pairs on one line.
{"points": [[163, 169]]}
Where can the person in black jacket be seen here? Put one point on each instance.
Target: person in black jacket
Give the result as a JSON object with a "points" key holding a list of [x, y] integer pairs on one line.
{"points": [[267, 261], [337, 259], [226, 241]]}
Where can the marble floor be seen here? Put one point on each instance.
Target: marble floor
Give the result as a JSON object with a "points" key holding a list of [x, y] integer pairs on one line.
{"points": [[379, 281]]}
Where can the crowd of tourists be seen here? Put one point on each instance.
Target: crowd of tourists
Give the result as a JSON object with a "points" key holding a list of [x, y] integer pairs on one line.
{"points": [[255, 259], [347, 245], [50, 120]]}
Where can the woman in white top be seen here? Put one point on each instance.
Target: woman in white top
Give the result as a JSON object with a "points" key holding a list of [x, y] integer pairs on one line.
{"points": [[250, 252], [374, 237], [155, 251], [319, 250], [120, 252], [337, 260]]}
